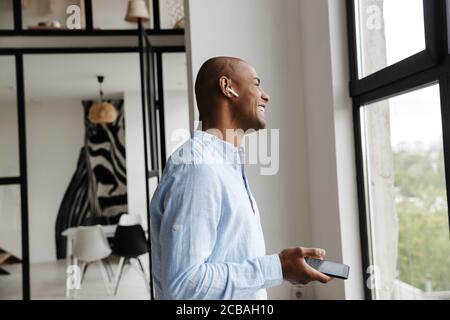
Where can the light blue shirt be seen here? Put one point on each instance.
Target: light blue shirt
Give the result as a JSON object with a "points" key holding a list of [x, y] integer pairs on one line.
{"points": [[207, 240]]}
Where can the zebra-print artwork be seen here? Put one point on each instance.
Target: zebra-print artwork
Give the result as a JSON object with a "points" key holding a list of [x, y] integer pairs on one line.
{"points": [[99, 185]]}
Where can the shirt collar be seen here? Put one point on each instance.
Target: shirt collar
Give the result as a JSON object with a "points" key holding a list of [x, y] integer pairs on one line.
{"points": [[227, 150]]}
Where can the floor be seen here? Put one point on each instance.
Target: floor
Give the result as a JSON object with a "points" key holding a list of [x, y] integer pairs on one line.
{"points": [[48, 282]]}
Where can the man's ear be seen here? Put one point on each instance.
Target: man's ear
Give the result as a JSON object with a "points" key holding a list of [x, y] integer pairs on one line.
{"points": [[224, 83]]}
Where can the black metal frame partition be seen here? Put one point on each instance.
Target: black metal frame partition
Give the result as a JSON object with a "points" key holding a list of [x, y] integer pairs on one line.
{"points": [[20, 93], [21, 180], [424, 68], [89, 27]]}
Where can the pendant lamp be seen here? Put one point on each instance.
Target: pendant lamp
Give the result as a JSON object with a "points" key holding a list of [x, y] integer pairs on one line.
{"points": [[102, 112]]}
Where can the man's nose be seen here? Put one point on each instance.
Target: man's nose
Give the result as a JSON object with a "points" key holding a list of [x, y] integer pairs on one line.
{"points": [[265, 97]]}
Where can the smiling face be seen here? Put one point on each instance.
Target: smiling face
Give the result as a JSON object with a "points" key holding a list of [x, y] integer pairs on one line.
{"points": [[250, 106]]}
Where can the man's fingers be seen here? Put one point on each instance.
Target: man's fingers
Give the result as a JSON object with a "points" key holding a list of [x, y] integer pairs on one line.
{"points": [[313, 253], [318, 276]]}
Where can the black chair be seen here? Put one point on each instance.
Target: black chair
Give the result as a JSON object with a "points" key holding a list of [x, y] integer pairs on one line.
{"points": [[129, 243]]}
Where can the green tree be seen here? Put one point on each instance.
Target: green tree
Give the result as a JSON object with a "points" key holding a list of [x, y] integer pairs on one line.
{"points": [[424, 240]]}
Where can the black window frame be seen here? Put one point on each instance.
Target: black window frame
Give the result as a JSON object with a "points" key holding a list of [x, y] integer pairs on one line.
{"points": [[434, 13], [420, 70], [89, 27]]}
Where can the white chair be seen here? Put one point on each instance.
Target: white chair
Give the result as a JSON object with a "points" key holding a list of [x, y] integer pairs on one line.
{"points": [[130, 219], [91, 246]]}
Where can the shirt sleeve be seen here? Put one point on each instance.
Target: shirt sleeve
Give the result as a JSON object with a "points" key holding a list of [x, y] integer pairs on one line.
{"points": [[191, 214]]}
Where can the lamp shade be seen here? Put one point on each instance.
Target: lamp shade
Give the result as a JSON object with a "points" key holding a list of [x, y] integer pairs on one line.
{"points": [[137, 9], [102, 113]]}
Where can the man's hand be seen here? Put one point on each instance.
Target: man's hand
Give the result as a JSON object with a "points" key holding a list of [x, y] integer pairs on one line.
{"points": [[296, 270]]}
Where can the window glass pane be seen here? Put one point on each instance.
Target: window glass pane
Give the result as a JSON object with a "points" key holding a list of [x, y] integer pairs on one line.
{"points": [[176, 110], [10, 244], [9, 141], [383, 38], [6, 15], [171, 14], [406, 196], [110, 15], [53, 14]]}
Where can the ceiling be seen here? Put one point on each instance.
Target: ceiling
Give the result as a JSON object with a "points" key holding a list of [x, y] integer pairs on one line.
{"points": [[73, 76]]}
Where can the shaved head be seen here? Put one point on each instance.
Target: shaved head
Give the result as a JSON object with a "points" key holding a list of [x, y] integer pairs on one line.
{"points": [[229, 95], [207, 82]]}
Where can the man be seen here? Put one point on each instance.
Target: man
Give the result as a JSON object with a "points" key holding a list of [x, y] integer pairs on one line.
{"points": [[206, 232]]}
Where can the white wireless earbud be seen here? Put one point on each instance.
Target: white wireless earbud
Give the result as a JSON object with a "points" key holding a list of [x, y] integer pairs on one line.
{"points": [[234, 93]]}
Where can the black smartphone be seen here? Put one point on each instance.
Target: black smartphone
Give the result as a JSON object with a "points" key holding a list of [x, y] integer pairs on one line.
{"points": [[332, 269]]}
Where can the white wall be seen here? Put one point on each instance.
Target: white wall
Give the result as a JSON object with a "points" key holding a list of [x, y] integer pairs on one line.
{"points": [[176, 108], [55, 135], [176, 117], [333, 196], [134, 143], [299, 49]]}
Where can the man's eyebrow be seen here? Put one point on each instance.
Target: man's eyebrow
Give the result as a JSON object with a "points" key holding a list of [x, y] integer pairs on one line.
{"points": [[257, 79]]}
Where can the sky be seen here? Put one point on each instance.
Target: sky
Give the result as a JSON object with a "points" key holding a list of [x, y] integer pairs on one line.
{"points": [[415, 116]]}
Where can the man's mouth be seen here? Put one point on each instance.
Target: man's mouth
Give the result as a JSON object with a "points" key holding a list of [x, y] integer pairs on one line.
{"points": [[262, 108]]}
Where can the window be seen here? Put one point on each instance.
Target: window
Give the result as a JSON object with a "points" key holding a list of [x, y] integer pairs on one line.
{"points": [[382, 40], [400, 87], [406, 196], [385, 48]]}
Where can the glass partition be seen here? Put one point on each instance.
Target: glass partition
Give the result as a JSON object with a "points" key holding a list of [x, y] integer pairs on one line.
{"points": [[171, 14], [53, 15], [9, 141], [11, 267], [6, 15], [83, 171], [176, 105], [110, 15]]}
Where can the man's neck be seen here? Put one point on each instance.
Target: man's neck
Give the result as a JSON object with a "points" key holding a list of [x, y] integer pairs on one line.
{"points": [[224, 132]]}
